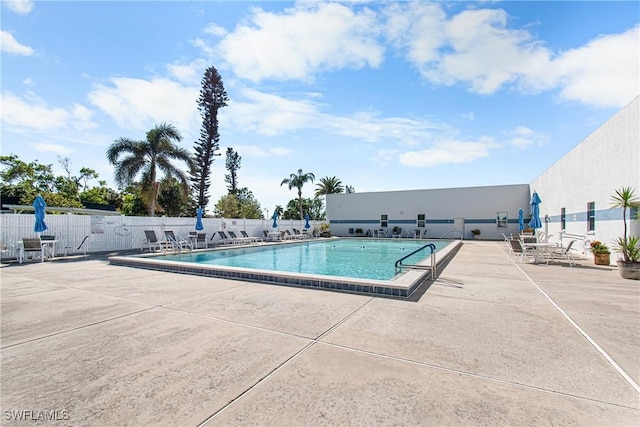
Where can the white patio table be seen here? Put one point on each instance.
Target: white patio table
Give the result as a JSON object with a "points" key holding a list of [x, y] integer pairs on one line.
{"points": [[540, 250]]}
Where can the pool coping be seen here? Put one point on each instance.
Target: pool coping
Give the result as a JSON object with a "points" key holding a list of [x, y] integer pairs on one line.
{"points": [[403, 286]]}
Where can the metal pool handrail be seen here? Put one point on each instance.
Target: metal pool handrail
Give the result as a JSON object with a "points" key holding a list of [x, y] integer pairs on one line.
{"points": [[399, 265]]}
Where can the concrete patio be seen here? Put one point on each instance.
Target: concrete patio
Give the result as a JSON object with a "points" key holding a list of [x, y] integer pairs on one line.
{"points": [[490, 342]]}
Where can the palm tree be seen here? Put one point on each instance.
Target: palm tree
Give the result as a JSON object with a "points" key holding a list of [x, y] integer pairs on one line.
{"points": [[329, 185], [625, 198], [146, 158], [298, 181]]}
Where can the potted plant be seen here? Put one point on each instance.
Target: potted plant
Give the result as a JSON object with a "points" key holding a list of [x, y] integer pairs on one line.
{"points": [[601, 253], [397, 231], [358, 231], [627, 245], [476, 233], [324, 230]]}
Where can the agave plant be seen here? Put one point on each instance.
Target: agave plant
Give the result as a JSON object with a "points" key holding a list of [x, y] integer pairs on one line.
{"points": [[628, 246]]}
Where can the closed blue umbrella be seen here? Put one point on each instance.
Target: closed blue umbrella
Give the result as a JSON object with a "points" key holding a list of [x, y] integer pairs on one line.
{"points": [[535, 211], [39, 205], [521, 220], [199, 213], [306, 221], [275, 219]]}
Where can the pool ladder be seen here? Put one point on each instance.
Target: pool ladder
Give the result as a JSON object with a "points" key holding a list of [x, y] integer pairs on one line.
{"points": [[399, 265], [181, 243]]}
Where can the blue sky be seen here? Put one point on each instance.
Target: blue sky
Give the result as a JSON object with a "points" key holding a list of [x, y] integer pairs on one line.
{"points": [[383, 95]]}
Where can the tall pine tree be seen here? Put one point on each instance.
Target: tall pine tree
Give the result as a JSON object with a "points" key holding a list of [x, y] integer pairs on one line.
{"points": [[233, 164], [212, 98]]}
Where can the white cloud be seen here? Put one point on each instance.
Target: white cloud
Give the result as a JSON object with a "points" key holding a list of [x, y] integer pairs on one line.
{"points": [[188, 73], [10, 45], [33, 113], [139, 104], [58, 149], [476, 47], [255, 151], [81, 117], [523, 137], [385, 157], [374, 127], [448, 152], [604, 73], [269, 114], [203, 45], [417, 28], [215, 30], [302, 40], [473, 47], [21, 7]]}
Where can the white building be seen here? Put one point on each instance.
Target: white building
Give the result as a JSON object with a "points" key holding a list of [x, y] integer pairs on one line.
{"points": [[577, 189], [576, 196]]}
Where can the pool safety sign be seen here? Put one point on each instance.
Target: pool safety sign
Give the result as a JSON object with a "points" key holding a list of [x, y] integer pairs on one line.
{"points": [[97, 224]]}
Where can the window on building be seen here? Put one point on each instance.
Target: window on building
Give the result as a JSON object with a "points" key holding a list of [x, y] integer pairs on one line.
{"points": [[384, 221], [563, 219], [420, 223], [502, 219], [591, 216]]}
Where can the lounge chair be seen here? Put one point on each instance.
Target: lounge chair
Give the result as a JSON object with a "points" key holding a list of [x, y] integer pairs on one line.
{"points": [[563, 253], [297, 234], [252, 239], [30, 246], [81, 246], [226, 240], [288, 235], [152, 242], [234, 237]]}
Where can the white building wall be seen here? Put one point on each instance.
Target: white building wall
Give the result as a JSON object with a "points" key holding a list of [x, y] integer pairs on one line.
{"points": [[606, 160], [476, 206]]}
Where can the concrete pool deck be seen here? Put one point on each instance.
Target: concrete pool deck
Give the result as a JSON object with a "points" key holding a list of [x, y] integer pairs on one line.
{"points": [[490, 342]]}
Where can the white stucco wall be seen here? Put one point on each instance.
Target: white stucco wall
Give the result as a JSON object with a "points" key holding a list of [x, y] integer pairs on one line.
{"points": [[606, 160], [478, 206]]}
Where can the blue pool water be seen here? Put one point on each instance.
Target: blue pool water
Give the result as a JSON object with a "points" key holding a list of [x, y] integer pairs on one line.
{"points": [[359, 258]]}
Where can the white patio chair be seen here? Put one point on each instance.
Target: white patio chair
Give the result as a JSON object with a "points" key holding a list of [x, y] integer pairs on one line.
{"points": [[30, 246], [563, 253]]}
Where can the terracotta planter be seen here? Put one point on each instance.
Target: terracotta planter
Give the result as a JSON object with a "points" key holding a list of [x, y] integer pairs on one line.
{"points": [[629, 270], [602, 259]]}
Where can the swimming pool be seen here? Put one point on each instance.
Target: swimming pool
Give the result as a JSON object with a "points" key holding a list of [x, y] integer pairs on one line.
{"points": [[346, 264], [360, 258]]}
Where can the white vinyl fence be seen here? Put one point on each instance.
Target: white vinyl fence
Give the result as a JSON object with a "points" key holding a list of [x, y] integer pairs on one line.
{"points": [[115, 233]]}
